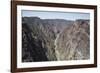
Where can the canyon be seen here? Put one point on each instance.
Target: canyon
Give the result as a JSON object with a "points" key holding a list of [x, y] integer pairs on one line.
{"points": [[55, 39]]}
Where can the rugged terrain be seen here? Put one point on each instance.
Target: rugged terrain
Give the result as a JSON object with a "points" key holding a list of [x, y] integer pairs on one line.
{"points": [[54, 39], [73, 42]]}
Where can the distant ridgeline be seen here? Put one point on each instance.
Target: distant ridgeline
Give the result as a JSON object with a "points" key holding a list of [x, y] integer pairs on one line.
{"points": [[54, 39]]}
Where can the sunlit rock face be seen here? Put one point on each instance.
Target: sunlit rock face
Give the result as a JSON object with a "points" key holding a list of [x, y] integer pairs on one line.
{"points": [[54, 39], [73, 42]]}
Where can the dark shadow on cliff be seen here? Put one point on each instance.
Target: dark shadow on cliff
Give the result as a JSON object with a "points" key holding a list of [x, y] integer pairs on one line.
{"points": [[32, 50]]}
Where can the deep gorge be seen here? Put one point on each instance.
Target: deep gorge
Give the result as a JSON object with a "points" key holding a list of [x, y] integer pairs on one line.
{"points": [[54, 39]]}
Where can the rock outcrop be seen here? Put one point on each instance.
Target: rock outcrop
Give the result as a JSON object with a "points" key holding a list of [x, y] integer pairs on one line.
{"points": [[73, 42]]}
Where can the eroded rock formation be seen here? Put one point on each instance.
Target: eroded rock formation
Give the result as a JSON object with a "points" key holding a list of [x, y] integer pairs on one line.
{"points": [[54, 39]]}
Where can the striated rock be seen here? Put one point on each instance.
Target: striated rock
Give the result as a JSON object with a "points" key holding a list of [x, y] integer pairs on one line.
{"points": [[54, 39], [73, 42], [32, 49]]}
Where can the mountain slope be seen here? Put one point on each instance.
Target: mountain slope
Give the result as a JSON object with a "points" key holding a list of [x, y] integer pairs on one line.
{"points": [[40, 36], [73, 42], [54, 39]]}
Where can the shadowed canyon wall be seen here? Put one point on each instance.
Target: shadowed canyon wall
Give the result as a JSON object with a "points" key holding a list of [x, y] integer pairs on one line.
{"points": [[54, 39]]}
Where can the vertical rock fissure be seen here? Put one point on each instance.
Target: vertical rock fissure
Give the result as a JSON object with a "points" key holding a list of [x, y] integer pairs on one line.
{"points": [[55, 43]]}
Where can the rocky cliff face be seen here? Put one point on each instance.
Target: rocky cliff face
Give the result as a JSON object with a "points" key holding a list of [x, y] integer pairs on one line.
{"points": [[73, 42], [54, 39]]}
